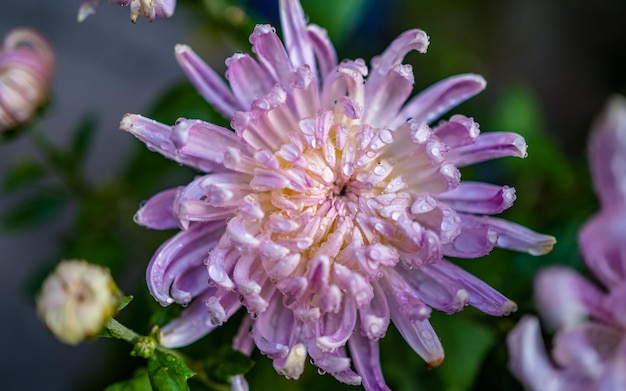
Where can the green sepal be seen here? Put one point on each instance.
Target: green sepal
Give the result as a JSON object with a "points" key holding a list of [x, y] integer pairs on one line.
{"points": [[124, 301]]}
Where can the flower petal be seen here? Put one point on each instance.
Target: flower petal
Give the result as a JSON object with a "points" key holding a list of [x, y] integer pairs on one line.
{"points": [[488, 146], [565, 299], [158, 212], [365, 356], [294, 27], [439, 98], [518, 238], [607, 154], [207, 82], [530, 362], [479, 198], [187, 249], [195, 321]]}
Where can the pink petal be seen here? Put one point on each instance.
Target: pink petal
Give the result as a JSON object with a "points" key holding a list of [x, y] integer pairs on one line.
{"points": [[446, 275], [323, 48], [479, 198], [195, 321], [365, 357], [187, 249], [158, 212], [518, 238], [564, 298], [488, 146], [207, 82], [439, 98], [294, 27], [607, 154], [247, 78], [271, 52], [530, 363]]}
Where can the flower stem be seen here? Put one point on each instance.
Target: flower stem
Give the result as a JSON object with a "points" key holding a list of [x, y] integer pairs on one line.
{"points": [[120, 331]]}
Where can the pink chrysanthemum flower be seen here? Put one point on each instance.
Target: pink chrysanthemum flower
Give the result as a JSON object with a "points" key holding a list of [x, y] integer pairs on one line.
{"points": [[589, 348], [26, 69], [149, 9], [327, 212]]}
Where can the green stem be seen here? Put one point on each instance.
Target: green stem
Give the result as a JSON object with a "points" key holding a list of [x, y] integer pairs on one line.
{"points": [[120, 331]]}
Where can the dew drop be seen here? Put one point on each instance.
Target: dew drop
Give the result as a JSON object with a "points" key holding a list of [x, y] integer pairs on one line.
{"points": [[321, 371], [379, 170]]}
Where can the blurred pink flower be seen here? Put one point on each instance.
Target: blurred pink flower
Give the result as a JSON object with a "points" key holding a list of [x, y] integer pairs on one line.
{"points": [[327, 212], [589, 348], [150, 9], [26, 69]]}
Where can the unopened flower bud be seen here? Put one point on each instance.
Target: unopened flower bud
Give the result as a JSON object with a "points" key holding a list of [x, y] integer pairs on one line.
{"points": [[77, 300], [26, 69]]}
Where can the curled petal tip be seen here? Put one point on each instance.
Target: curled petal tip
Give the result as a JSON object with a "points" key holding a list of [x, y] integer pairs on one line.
{"points": [[508, 308], [435, 362], [544, 246]]}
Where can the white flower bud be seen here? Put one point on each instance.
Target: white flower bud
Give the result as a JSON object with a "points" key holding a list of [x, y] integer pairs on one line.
{"points": [[77, 300]]}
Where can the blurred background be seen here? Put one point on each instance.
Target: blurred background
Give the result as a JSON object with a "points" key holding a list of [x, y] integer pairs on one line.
{"points": [[550, 66]]}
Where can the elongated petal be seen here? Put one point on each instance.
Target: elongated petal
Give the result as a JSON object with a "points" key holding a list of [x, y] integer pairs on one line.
{"points": [[247, 78], [488, 146], [204, 141], [294, 32], [420, 336], [383, 102], [429, 104], [518, 238], [196, 322], [206, 81], [392, 57], [480, 295], [479, 198], [607, 154], [271, 52], [323, 48], [365, 356]]}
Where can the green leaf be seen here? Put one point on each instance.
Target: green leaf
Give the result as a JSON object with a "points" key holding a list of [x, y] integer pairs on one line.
{"points": [[22, 174], [82, 137], [33, 210], [168, 372], [140, 382]]}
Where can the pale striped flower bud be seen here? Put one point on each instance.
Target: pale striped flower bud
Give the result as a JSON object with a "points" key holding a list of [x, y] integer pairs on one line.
{"points": [[26, 69], [77, 300]]}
